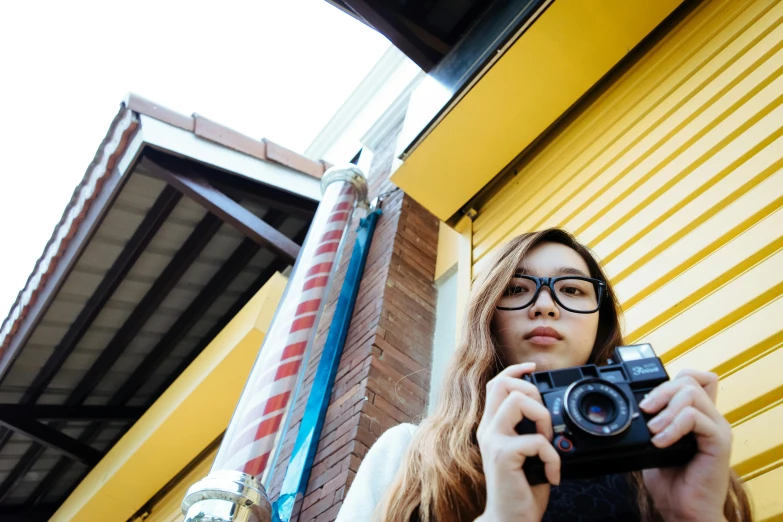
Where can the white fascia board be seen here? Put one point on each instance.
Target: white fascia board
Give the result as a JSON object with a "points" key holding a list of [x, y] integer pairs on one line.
{"points": [[185, 143]]}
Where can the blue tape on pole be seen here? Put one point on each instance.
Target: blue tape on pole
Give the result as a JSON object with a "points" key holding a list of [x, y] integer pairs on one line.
{"points": [[298, 472]]}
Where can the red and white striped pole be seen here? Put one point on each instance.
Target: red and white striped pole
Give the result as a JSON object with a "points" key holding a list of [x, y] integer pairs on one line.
{"points": [[233, 491]]}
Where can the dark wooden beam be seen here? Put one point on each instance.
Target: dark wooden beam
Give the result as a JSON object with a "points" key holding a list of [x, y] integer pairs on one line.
{"points": [[238, 260], [239, 187], [181, 261], [165, 282], [51, 438], [63, 465], [222, 278], [133, 249], [294, 206], [276, 266], [21, 468], [198, 189], [73, 250], [137, 244], [24, 513], [52, 412]]}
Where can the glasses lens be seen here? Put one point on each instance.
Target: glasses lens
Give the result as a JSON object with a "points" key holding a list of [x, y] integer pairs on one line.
{"points": [[519, 293], [577, 294]]}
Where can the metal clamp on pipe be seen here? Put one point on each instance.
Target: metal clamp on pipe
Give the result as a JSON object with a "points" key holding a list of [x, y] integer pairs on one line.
{"points": [[227, 495]]}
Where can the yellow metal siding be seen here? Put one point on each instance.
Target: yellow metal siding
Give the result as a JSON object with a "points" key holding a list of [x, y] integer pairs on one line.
{"points": [[673, 174]]}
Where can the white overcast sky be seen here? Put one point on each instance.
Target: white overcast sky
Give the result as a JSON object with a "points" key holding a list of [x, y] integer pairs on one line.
{"points": [[268, 68]]}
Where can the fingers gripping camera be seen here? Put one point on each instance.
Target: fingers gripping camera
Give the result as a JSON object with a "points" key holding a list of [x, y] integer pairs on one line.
{"points": [[598, 426]]}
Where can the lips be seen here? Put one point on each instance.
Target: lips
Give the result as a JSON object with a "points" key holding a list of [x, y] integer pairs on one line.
{"points": [[543, 335]]}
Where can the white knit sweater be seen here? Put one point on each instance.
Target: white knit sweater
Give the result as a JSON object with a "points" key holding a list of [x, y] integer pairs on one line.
{"points": [[375, 474]]}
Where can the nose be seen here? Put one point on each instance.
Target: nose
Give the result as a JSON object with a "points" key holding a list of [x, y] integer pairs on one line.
{"points": [[544, 305]]}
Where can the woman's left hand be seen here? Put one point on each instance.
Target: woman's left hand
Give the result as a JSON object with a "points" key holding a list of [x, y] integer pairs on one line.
{"points": [[696, 491]]}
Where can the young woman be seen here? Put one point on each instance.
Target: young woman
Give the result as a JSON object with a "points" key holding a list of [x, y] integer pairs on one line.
{"points": [[464, 462]]}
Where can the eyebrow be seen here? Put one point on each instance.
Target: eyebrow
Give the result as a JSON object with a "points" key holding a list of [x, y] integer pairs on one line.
{"points": [[562, 271]]}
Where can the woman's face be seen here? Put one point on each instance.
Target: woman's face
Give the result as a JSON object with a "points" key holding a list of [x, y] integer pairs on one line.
{"points": [[572, 335]]}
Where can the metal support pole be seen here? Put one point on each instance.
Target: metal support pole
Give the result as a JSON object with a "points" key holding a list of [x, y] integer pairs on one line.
{"points": [[233, 491]]}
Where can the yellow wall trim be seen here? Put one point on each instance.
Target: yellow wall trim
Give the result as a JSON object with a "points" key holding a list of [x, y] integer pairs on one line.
{"points": [[464, 228], [192, 413], [557, 60], [448, 250]]}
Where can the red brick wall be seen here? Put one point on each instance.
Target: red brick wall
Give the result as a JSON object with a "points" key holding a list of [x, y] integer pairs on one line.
{"points": [[383, 376]]}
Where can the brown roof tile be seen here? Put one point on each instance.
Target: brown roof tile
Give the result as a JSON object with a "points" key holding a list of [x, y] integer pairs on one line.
{"points": [[202, 127], [292, 160], [144, 106], [209, 130]]}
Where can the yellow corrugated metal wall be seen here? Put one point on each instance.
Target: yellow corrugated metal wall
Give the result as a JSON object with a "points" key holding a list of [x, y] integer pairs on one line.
{"points": [[673, 174]]}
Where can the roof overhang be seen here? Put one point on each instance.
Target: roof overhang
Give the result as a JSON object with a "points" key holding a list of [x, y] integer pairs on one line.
{"points": [[139, 126], [176, 224], [193, 412], [553, 63]]}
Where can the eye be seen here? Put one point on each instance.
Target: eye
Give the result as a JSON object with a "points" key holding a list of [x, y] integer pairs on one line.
{"points": [[515, 290], [571, 290]]}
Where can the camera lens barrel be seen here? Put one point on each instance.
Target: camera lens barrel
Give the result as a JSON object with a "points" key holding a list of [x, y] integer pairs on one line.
{"points": [[598, 407]]}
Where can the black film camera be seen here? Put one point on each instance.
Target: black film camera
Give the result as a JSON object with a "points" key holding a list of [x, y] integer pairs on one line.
{"points": [[598, 426]]}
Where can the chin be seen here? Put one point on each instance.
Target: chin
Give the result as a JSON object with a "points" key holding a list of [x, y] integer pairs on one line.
{"points": [[545, 361]]}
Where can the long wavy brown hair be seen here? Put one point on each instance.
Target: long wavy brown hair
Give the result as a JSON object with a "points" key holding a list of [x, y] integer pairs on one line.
{"points": [[441, 477]]}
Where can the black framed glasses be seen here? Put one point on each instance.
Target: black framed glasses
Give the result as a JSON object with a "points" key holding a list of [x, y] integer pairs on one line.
{"points": [[581, 295]]}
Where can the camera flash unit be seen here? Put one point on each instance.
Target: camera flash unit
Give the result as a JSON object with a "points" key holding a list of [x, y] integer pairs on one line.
{"points": [[635, 352]]}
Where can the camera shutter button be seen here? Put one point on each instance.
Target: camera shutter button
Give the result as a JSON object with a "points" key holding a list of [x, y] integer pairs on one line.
{"points": [[563, 444]]}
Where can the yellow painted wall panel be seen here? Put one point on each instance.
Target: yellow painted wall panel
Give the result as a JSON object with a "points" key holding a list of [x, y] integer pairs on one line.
{"points": [[726, 210], [696, 124], [766, 497], [448, 248], [672, 172], [761, 283], [678, 296], [587, 142], [757, 442], [646, 90], [752, 388], [627, 143], [757, 333], [627, 209]]}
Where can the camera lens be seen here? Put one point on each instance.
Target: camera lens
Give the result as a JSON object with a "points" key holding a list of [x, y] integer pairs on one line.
{"points": [[597, 407]]}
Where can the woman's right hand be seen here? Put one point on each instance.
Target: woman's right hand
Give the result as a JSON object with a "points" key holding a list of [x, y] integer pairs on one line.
{"points": [[509, 399]]}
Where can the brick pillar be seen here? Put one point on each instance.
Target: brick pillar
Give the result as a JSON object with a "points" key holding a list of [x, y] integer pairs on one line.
{"points": [[383, 377]]}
